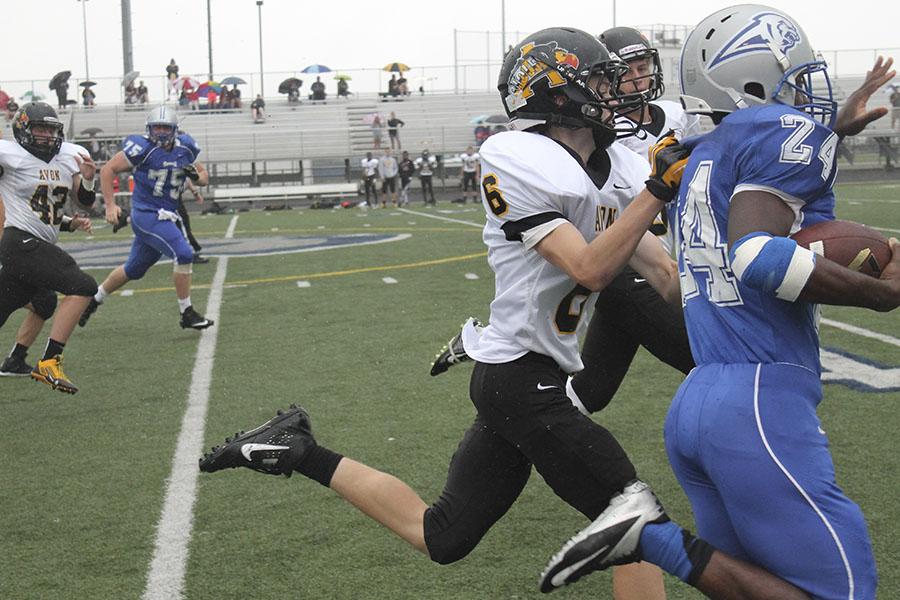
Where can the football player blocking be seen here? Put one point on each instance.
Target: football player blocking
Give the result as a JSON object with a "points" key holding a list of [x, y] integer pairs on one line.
{"points": [[162, 159], [38, 173], [561, 86]]}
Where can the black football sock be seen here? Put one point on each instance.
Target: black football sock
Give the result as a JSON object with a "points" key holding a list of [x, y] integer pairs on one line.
{"points": [[319, 464], [54, 348], [19, 351]]}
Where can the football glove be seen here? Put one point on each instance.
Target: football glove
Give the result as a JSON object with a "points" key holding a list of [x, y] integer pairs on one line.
{"points": [[123, 220], [668, 159], [190, 171]]}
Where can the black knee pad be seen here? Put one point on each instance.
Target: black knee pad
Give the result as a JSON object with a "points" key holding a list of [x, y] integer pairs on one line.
{"points": [[44, 304], [446, 547], [85, 285]]}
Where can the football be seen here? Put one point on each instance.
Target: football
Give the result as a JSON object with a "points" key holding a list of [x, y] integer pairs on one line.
{"points": [[850, 244]]}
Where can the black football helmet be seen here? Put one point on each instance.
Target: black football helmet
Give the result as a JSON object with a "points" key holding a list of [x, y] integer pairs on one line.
{"points": [[38, 113], [544, 79], [628, 44]]}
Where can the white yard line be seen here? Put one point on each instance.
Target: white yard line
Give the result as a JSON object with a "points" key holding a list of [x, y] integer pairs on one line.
{"points": [[431, 216], [881, 337], [166, 577]]}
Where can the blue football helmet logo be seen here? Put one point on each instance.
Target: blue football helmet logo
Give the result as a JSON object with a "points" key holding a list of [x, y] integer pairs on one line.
{"points": [[764, 27]]}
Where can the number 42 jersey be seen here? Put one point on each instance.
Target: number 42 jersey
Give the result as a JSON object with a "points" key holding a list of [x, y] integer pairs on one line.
{"points": [[775, 149], [530, 186]]}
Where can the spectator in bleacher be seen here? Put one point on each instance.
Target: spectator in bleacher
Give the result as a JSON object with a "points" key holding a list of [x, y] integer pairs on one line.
{"points": [[193, 98], [11, 108], [393, 130], [87, 97], [370, 173], [258, 109], [407, 169], [212, 98], [183, 99], [393, 88], [895, 106], [317, 89], [294, 91], [388, 170], [343, 88], [62, 94], [402, 86], [225, 98], [130, 94], [172, 72], [426, 165], [235, 96], [143, 95], [377, 131]]}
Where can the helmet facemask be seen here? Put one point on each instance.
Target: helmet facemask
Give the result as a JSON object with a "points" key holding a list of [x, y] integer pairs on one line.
{"points": [[802, 87]]}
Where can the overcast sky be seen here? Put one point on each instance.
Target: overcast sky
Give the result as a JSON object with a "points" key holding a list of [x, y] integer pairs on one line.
{"points": [[42, 37]]}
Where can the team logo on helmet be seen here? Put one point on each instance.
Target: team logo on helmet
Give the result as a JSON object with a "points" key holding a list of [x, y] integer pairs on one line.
{"points": [[529, 69], [764, 28]]}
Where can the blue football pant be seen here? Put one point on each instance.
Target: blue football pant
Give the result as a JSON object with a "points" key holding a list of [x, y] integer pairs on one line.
{"points": [[154, 238], [746, 445]]}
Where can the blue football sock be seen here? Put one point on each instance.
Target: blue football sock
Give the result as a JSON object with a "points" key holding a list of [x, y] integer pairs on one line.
{"points": [[666, 546]]}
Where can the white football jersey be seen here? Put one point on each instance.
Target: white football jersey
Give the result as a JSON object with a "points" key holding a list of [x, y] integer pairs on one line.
{"points": [[531, 185], [469, 162], [664, 115], [33, 191], [370, 166]]}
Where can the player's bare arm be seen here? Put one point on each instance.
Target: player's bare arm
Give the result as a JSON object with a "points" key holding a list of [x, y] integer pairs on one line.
{"points": [[828, 282], [651, 260], [117, 164]]}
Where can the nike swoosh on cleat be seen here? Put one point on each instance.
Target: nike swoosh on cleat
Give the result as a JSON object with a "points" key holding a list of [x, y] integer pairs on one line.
{"points": [[640, 280], [559, 579], [248, 449]]}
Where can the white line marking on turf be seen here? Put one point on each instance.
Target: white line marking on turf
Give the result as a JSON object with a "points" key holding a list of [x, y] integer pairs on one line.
{"points": [[471, 276], [389, 280], [430, 216], [862, 332], [303, 284], [166, 577], [127, 293]]}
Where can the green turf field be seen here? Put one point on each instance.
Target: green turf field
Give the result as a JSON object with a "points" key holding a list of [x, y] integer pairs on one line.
{"points": [[83, 478]]}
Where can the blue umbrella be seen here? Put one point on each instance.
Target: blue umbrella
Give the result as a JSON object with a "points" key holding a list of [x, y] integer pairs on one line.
{"points": [[233, 81], [316, 69]]}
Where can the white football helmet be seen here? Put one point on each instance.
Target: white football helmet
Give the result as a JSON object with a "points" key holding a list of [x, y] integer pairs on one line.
{"points": [[748, 55]]}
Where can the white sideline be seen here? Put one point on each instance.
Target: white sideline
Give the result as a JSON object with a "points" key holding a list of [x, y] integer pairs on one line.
{"points": [[431, 216], [166, 577]]}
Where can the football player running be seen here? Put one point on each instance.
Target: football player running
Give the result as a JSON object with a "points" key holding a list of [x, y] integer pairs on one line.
{"points": [[162, 159], [543, 207], [742, 433], [38, 173]]}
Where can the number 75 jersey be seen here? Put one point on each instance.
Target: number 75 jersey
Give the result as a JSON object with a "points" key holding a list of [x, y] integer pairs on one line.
{"points": [[158, 172], [34, 192], [775, 149]]}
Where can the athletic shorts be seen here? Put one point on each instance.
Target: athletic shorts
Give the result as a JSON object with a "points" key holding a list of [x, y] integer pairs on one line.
{"points": [[34, 264]]}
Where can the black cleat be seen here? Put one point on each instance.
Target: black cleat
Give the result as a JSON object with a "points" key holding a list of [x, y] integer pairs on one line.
{"points": [[276, 447], [122, 222], [612, 539], [199, 259], [453, 352], [191, 319], [91, 309], [13, 366]]}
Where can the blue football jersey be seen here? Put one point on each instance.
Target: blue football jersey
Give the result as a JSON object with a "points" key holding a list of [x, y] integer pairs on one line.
{"points": [[772, 148], [158, 173]]}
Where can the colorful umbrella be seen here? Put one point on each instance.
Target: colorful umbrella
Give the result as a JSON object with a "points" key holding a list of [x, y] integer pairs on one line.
{"points": [[316, 69], [4, 100], [185, 82], [396, 67], [233, 81], [341, 76], [205, 87]]}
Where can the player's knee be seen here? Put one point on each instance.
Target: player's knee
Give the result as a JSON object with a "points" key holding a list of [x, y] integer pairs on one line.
{"points": [[135, 271], [183, 268], [447, 544], [184, 257], [44, 305], [85, 285]]}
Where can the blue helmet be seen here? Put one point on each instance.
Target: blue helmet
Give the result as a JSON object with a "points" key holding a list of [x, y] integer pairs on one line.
{"points": [[166, 117]]}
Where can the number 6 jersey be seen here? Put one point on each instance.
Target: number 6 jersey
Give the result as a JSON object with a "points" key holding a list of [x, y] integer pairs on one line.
{"points": [[531, 185], [34, 192]]}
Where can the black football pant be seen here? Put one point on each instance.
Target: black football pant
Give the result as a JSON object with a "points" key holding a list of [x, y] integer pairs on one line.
{"points": [[519, 425], [629, 313], [427, 188], [370, 186], [186, 227]]}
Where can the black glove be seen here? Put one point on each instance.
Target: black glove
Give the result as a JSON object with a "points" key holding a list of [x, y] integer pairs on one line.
{"points": [[123, 220], [668, 159], [190, 171]]}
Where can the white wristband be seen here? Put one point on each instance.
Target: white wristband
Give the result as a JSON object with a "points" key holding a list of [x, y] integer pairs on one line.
{"points": [[87, 184]]}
